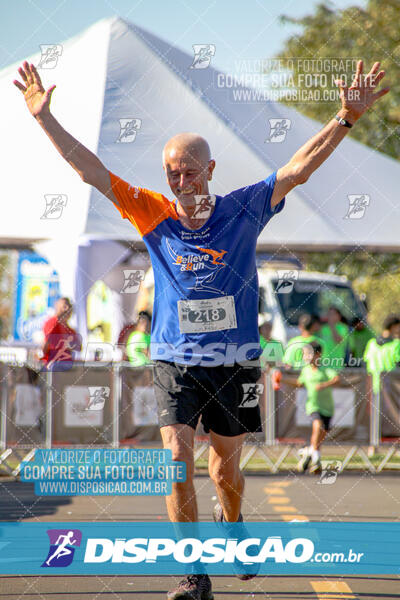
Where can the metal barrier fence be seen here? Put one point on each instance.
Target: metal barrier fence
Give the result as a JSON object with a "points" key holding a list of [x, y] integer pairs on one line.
{"points": [[104, 404]]}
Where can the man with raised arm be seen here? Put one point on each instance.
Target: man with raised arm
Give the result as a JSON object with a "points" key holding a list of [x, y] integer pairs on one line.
{"points": [[204, 332]]}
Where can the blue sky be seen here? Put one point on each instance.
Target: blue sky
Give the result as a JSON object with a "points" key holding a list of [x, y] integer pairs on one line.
{"points": [[249, 29]]}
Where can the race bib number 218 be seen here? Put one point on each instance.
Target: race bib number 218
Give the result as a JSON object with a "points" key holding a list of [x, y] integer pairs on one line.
{"points": [[213, 314]]}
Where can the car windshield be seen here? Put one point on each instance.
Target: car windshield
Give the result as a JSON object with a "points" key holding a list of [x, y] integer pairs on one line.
{"points": [[315, 297]]}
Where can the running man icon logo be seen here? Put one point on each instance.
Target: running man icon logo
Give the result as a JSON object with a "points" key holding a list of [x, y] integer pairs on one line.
{"points": [[330, 471], [128, 130], [97, 397], [62, 547], [133, 279], [286, 281], [251, 394], [203, 54], [278, 130], [357, 205], [55, 203], [204, 206], [49, 57], [64, 349]]}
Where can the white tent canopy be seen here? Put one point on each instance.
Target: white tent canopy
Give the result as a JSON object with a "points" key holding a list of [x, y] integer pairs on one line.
{"points": [[115, 70]]}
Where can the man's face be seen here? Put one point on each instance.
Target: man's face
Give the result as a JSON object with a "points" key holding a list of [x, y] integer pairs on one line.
{"points": [[187, 176], [315, 327], [333, 316], [63, 309], [143, 324], [395, 331], [308, 354], [266, 330]]}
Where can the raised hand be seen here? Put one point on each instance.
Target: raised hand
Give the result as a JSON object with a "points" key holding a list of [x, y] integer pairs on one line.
{"points": [[36, 97], [362, 94]]}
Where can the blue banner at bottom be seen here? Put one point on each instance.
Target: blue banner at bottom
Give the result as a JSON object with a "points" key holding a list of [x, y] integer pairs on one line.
{"points": [[296, 548]]}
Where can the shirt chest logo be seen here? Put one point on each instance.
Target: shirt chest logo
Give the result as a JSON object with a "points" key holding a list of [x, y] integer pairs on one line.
{"points": [[205, 264]]}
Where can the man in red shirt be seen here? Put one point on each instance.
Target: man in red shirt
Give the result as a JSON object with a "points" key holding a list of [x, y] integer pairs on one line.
{"points": [[60, 339]]}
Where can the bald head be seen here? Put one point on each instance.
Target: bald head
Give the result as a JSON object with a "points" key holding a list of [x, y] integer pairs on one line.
{"points": [[188, 165], [187, 145]]}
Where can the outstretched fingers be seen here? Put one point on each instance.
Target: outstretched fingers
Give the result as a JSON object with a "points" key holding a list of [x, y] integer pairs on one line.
{"points": [[381, 93], [374, 68], [23, 75], [19, 85], [28, 73], [359, 71], [378, 78], [341, 84], [36, 76]]}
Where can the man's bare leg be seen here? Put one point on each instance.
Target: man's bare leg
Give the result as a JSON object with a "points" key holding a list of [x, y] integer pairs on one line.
{"points": [[223, 465], [318, 434], [182, 503]]}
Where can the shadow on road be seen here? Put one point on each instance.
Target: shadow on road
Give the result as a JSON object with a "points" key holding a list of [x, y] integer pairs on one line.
{"points": [[18, 501]]}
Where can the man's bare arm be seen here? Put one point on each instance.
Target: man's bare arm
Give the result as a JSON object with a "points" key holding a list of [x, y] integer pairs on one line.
{"points": [[86, 164], [355, 101]]}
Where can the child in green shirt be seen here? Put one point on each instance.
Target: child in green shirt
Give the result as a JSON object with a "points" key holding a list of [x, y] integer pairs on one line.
{"points": [[382, 354], [309, 326], [138, 344], [319, 405]]}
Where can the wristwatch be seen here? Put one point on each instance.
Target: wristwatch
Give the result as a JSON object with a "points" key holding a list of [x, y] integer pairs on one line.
{"points": [[343, 122]]}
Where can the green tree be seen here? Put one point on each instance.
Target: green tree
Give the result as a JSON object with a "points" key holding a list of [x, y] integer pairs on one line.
{"points": [[370, 34]]}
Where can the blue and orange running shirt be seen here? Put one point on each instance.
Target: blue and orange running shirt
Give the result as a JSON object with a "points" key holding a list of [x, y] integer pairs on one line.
{"points": [[206, 287]]}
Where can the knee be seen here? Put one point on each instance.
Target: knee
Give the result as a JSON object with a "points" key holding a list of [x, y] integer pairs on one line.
{"points": [[180, 442], [225, 478], [181, 453]]}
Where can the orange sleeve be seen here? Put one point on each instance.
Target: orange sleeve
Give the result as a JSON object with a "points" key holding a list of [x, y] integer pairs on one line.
{"points": [[144, 209]]}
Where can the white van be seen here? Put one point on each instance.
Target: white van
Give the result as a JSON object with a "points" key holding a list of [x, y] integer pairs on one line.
{"points": [[287, 291]]}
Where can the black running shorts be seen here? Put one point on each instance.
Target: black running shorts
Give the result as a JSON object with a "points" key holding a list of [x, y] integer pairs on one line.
{"points": [[326, 421], [225, 397]]}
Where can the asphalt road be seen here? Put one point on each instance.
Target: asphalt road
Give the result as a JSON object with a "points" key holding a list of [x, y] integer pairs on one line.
{"points": [[353, 497]]}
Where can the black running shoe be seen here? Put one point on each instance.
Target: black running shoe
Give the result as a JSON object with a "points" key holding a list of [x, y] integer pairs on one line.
{"points": [[192, 587], [243, 572]]}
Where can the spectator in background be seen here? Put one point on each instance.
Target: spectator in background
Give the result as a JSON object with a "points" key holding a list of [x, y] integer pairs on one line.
{"points": [[335, 335], [383, 353], [265, 330], [272, 349], [319, 404], [359, 338], [310, 326], [60, 340], [138, 344], [123, 338]]}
